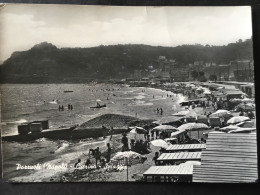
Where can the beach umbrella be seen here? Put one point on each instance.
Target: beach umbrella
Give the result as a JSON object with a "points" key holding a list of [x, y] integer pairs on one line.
{"points": [[128, 158], [221, 113], [237, 119], [165, 128], [247, 100], [245, 107], [193, 126], [159, 143]]}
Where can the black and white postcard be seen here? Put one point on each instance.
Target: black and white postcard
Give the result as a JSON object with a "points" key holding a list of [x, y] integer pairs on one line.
{"points": [[127, 94]]}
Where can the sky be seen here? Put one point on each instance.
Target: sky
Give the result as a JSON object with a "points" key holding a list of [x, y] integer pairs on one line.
{"points": [[22, 26]]}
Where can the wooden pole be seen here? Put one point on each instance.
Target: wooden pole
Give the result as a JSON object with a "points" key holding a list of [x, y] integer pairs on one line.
{"points": [[126, 169]]}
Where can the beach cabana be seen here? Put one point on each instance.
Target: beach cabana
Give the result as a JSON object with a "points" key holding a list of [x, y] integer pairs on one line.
{"points": [[202, 119], [166, 173], [185, 147], [171, 158]]}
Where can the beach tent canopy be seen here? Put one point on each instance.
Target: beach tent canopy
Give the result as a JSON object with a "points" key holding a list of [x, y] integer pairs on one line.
{"points": [[128, 157], [159, 143], [193, 127], [237, 119], [165, 128]]}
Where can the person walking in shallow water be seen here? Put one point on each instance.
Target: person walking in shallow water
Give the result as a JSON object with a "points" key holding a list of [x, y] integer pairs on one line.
{"points": [[161, 111]]}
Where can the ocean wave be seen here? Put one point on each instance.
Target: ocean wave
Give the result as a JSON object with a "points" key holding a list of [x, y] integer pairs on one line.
{"points": [[62, 147], [140, 103], [139, 97]]}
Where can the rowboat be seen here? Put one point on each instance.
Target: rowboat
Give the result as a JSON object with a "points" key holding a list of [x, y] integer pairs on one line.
{"points": [[101, 106]]}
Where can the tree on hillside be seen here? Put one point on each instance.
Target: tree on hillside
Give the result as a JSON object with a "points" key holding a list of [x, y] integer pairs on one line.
{"points": [[201, 76], [213, 77], [194, 74]]}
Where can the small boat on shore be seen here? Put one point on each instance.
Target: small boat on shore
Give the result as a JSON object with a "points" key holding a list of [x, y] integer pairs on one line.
{"points": [[101, 106], [68, 91]]}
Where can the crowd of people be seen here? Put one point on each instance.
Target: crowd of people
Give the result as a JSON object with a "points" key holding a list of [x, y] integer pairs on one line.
{"points": [[100, 159], [139, 146]]}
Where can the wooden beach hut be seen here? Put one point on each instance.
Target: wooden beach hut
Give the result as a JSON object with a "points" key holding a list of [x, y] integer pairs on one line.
{"points": [[229, 158]]}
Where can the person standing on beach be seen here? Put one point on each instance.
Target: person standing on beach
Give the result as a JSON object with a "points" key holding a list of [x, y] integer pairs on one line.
{"points": [[62, 108], [111, 133], [124, 141], [59, 108], [68, 106], [71, 107], [109, 150], [155, 158], [157, 110], [97, 155]]}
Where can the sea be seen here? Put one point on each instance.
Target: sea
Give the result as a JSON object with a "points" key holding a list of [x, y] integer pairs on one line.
{"points": [[22, 103]]}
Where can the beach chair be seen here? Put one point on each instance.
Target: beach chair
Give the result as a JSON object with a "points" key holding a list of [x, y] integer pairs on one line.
{"points": [[214, 122]]}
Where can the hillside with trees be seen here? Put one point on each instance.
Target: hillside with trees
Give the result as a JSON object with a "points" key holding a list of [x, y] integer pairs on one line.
{"points": [[45, 63]]}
